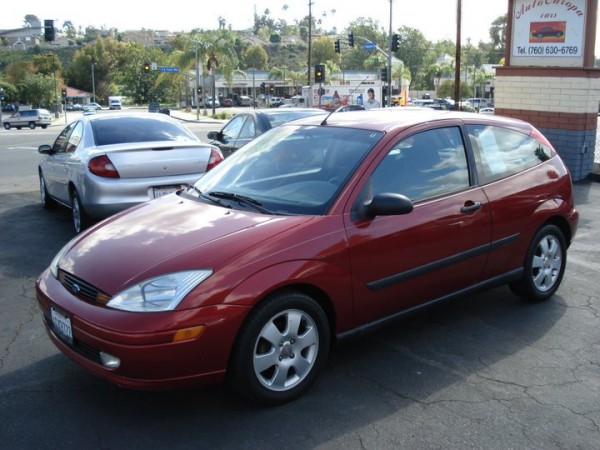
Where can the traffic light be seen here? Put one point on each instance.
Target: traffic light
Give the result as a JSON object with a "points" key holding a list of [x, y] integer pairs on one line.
{"points": [[384, 74], [351, 39], [49, 32], [337, 46], [395, 42], [271, 89], [146, 67], [199, 89], [319, 73], [262, 88]]}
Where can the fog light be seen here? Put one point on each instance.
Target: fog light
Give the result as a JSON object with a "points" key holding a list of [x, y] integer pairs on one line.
{"points": [[109, 361]]}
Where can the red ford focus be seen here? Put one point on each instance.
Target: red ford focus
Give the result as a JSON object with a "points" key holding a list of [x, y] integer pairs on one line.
{"points": [[316, 231]]}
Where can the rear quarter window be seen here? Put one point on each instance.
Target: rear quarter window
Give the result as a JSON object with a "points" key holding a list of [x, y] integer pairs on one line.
{"points": [[501, 152]]}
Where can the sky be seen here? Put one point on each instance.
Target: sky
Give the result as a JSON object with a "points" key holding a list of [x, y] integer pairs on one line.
{"points": [[436, 19]]}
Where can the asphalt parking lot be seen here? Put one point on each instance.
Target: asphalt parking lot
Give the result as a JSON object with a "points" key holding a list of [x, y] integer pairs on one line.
{"points": [[487, 371]]}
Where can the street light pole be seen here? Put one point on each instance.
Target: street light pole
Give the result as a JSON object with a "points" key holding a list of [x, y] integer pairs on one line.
{"points": [[93, 82], [389, 63]]}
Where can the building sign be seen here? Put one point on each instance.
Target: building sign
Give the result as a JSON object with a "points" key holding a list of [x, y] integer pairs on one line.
{"points": [[548, 32]]}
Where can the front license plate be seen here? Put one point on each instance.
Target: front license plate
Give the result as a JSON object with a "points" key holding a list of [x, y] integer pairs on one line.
{"points": [[161, 191], [62, 325]]}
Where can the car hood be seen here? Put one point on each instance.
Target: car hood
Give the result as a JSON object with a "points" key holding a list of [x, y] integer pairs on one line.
{"points": [[164, 236]]}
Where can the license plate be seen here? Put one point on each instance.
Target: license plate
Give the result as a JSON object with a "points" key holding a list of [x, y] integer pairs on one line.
{"points": [[161, 191], [62, 325]]}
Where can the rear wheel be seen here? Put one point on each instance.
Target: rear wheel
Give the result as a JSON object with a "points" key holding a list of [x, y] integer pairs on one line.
{"points": [[7, 126], [544, 265], [80, 218], [280, 349]]}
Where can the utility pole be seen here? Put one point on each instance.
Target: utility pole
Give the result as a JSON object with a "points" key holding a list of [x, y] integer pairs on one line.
{"points": [[389, 64], [458, 50]]}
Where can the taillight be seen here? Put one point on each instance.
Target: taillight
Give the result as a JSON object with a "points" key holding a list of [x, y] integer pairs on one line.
{"points": [[103, 167], [215, 158]]}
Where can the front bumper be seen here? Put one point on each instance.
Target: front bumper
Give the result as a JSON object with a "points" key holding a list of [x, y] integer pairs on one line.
{"points": [[143, 342]]}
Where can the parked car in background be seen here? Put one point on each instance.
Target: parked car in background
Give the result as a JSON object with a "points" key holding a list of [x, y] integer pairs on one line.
{"points": [[227, 102], [88, 110], [486, 111], [210, 102], [245, 100], [153, 107], [346, 108], [316, 231], [28, 118], [247, 125], [102, 164], [115, 103], [95, 105], [276, 102]]}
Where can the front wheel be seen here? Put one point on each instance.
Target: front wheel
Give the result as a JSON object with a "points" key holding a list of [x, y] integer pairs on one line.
{"points": [[544, 265], [280, 349], [32, 125]]}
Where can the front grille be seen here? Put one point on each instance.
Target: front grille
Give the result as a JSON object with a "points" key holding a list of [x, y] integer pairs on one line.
{"points": [[81, 288]]}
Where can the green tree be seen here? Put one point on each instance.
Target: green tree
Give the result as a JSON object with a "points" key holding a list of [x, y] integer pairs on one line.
{"points": [[446, 89], [256, 57], [323, 50], [413, 49], [362, 28]]}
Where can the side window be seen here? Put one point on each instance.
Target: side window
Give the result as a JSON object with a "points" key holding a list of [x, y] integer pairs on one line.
{"points": [[500, 152], [74, 138], [60, 145], [232, 129], [424, 165], [248, 130]]}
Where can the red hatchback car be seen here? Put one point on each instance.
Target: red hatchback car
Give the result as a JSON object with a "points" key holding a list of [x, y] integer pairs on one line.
{"points": [[318, 230]]}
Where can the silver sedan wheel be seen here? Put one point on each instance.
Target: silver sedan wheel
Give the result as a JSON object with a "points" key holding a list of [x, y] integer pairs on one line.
{"points": [[286, 350], [547, 263]]}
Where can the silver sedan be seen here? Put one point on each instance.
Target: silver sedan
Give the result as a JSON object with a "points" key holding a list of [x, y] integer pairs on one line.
{"points": [[100, 165]]}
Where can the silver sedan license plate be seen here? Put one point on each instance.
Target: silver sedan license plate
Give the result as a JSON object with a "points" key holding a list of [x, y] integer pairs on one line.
{"points": [[161, 191], [62, 325]]}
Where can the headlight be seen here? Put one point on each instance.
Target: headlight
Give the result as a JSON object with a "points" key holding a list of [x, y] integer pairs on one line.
{"points": [[161, 293], [59, 255]]}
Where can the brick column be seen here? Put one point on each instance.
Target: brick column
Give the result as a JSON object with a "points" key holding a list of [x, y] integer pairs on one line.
{"points": [[561, 102]]}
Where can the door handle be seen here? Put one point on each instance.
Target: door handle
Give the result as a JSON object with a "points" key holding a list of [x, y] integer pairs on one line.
{"points": [[470, 207]]}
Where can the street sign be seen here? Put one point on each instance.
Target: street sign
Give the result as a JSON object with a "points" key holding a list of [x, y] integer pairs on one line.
{"points": [[169, 69], [369, 46]]}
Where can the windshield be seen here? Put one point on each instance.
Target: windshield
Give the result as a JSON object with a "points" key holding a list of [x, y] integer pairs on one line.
{"points": [[291, 169]]}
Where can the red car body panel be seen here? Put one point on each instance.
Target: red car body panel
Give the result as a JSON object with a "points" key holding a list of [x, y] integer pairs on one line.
{"points": [[361, 271]]}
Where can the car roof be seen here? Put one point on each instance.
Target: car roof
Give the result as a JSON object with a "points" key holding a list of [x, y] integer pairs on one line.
{"points": [[386, 119]]}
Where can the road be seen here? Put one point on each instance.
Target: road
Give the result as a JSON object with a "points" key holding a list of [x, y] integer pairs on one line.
{"points": [[487, 371]]}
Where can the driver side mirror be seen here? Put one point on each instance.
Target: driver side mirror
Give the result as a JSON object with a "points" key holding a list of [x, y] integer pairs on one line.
{"points": [[215, 135], [45, 149], [385, 204]]}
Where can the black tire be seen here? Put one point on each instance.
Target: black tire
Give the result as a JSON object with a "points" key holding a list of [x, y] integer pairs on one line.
{"points": [[45, 199], [273, 363], [544, 265], [32, 125], [7, 126], [80, 218]]}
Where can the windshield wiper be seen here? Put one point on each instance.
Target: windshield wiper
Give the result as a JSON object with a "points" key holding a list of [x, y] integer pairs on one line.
{"points": [[207, 197], [241, 199]]}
